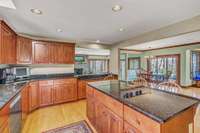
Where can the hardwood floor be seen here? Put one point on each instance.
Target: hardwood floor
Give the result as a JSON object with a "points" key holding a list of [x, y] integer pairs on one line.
{"points": [[55, 116], [64, 114]]}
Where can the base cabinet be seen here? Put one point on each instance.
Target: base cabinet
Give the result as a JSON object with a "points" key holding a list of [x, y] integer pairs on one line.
{"points": [[33, 95], [129, 128], [4, 119], [101, 117]]}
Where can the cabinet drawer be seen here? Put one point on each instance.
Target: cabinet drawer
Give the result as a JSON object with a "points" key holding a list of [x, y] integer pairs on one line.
{"points": [[140, 121], [109, 102], [45, 82]]}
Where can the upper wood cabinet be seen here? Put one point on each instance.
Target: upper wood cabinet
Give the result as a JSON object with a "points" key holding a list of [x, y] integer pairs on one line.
{"points": [[69, 53], [41, 52], [24, 50], [53, 53], [7, 44]]}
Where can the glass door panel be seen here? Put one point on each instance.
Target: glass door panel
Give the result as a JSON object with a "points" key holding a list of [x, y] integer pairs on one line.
{"points": [[133, 66]]}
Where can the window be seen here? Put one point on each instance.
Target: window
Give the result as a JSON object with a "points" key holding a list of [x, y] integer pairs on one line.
{"points": [[99, 66], [167, 66], [195, 65]]}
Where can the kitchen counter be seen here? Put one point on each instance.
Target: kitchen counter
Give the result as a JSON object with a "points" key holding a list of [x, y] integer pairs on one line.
{"points": [[8, 91], [158, 105], [92, 76]]}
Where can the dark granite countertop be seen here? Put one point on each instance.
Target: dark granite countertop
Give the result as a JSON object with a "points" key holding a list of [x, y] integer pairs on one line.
{"points": [[8, 91], [156, 104], [91, 76]]}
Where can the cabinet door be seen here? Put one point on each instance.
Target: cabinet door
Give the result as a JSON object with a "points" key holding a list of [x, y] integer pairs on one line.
{"points": [[4, 118], [25, 104], [91, 110], [57, 94], [24, 50], [46, 95], [115, 123], [81, 89], [129, 128], [8, 46], [41, 52], [102, 119], [69, 92], [69, 53], [33, 96]]}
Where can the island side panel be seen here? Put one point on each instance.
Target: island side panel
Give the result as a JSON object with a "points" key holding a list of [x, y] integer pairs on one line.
{"points": [[180, 123]]}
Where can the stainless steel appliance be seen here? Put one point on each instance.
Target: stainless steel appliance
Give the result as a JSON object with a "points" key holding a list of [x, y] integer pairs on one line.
{"points": [[6, 76], [15, 117], [21, 72]]}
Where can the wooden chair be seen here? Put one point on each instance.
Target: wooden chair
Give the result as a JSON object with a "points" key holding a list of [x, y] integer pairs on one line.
{"points": [[170, 86], [139, 82]]}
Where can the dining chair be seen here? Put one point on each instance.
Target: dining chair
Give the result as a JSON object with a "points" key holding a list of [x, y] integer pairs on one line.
{"points": [[139, 82], [170, 86]]}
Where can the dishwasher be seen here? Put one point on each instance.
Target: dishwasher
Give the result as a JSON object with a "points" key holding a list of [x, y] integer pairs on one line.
{"points": [[15, 117]]}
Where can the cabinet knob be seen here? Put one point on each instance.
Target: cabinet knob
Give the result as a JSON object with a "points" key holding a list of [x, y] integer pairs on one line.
{"points": [[138, 122]]}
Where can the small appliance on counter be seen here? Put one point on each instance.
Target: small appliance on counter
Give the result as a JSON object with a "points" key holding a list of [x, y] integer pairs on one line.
{"points": [[12, 74], [78, 71]]}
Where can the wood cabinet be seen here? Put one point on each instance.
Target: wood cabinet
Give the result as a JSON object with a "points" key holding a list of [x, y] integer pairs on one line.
{"points": [[41, 52], [68, 53], [46, 92], [24, 50], [7, 44], [65, 90], [25, 103], [4, 119], [82, 89], [99, 113], [128, 128], [33, 95]]}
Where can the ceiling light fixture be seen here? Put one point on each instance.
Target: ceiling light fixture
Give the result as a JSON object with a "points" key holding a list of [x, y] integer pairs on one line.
{"points": [[116, 8], [59, 30], [121, 29], [7, 4], [36, 11], [97, 41]]}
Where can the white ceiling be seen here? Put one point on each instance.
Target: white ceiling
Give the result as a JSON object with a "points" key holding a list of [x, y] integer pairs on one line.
{"points": [[172, 41], [91, 20]]}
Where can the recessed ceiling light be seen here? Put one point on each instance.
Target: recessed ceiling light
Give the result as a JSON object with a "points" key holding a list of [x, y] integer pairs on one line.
{"points": [[97, 41], [121, 29], [59, 30], [117, 8], [36, 11], [7, 4]]}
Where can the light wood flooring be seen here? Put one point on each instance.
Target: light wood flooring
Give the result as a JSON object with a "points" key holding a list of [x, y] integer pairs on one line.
{"points": [[64, 114], [55, 116]]}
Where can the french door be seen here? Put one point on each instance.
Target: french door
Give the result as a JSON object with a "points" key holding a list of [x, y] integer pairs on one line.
{"points": [[167, 66]]}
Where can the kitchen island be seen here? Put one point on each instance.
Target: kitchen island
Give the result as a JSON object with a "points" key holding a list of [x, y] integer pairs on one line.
{"points": [[115, 107]]}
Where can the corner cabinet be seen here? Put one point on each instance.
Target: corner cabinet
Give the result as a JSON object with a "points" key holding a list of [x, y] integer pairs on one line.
{"points": [[24, 50], [7, 44]]}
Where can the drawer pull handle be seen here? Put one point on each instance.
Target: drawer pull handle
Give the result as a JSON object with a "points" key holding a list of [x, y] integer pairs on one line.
{"points": [[138, 122]]}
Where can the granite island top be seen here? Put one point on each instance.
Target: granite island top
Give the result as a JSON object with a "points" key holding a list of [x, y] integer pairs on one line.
{"points": [[156, 104]]}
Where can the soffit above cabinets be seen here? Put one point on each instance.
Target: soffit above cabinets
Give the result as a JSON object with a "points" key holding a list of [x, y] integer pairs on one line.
{"points": [[92, 20], [184, 39]]}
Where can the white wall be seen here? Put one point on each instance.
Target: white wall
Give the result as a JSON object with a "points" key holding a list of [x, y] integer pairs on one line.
{"points": [[37, 70]]}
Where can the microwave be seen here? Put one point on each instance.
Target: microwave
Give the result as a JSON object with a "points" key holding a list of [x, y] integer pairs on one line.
{"points": [[21, 72]]}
